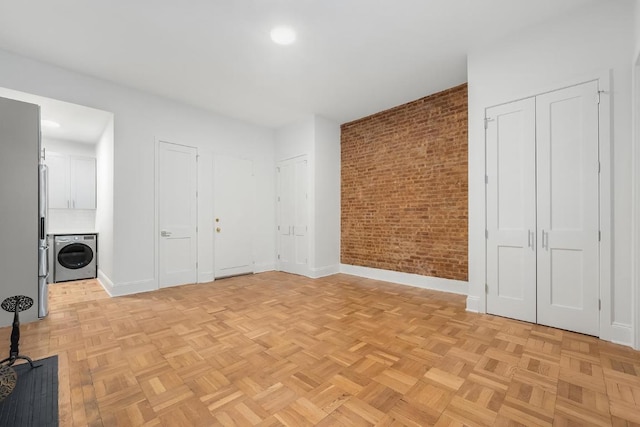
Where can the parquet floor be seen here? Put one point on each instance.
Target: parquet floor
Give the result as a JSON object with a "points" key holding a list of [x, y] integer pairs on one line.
{"points": [[276, 349]]}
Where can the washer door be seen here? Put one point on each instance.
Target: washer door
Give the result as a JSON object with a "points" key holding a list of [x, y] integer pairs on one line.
{"points": [[75, 256]]}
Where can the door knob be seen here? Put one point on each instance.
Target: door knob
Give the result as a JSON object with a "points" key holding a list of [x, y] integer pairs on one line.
{"points": [[164, 233], [217, 219], [217, 229]]}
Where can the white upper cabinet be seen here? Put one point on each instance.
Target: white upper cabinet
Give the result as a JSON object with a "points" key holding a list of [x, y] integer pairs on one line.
{"points": [[83, 182], [72, 181]]}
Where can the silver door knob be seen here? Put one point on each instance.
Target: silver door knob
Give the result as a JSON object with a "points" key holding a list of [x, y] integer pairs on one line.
{"points": [[164, 233]]}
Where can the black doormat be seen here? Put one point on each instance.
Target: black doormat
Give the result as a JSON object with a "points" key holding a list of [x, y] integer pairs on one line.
{"points": [[34, 401]]}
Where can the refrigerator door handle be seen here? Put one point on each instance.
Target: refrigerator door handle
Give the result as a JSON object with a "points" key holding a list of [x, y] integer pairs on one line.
{"points": [[43, 261]]}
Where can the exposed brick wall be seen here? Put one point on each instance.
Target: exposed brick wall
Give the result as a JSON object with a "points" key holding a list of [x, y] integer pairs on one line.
{"points": [[404, 187]]}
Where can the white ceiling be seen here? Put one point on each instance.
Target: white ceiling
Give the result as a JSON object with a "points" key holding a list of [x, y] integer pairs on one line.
{"points": [[352, 57]]}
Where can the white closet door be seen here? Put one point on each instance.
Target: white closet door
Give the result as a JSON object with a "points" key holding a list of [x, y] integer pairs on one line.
{"points": [[286, 213], [567, 174], [293, 215], [511, 210]]}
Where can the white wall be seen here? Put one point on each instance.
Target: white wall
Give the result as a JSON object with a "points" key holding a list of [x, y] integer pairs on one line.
{"points": [[295, 139], [139, 119], [542, 58], [327, 197], [70, 148], [104, 202]]}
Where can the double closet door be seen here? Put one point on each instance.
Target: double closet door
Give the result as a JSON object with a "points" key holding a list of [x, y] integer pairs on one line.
{"points": [[542, 204]]}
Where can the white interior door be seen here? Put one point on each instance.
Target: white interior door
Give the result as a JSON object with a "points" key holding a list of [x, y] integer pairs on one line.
{"points": [[177, 214], [511, 210], [293, 215], [233, 189], [568, 223]]}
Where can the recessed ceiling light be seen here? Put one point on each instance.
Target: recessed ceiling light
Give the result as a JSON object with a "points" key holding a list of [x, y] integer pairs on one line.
{"points": [[283, 35], [49, 124]]}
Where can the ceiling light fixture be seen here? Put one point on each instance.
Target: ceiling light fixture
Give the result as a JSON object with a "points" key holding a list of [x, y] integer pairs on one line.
{"points": [[49, 124], [283, 35]]}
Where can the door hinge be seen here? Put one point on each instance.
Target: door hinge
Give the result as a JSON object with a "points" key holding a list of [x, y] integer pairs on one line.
{"points": [[599, 236], [278, 256], [599, 167], [278, 169], [486, 234], [278, 228], [599, 304], [486, 122], [598, 96], [278, 198], [196, 264], [486, 288], [486, 179]]}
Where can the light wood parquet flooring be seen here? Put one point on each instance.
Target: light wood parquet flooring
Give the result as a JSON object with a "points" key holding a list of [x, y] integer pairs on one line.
{"points": [[276, 349]]}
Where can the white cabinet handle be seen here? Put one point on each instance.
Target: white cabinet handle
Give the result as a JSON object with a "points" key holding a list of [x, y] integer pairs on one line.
{"points": [[545, 240]]}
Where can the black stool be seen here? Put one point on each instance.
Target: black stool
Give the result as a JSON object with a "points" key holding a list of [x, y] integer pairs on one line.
{"points": [[16, 304]]}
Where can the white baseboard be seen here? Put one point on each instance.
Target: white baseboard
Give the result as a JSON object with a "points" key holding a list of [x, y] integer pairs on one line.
{"points": [[129, 288], [473, 304], [205, 276], [415, 280], [266, 266], [105, 282], [621, 334], [316, 273]]}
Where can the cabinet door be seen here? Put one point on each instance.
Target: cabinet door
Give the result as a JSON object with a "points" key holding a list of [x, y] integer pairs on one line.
{"points": [[58, 164], [511, 210], [83, 182]]}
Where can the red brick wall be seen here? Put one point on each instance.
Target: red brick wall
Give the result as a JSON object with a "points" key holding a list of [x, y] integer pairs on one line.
{"points": [[404, 187]]}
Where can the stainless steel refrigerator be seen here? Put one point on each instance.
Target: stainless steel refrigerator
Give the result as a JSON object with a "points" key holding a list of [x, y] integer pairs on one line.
{"points": [[43, 241], [22, 219]]}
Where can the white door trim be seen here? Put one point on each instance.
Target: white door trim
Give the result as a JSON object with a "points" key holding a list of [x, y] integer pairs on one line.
{"points": [[635, 208]]}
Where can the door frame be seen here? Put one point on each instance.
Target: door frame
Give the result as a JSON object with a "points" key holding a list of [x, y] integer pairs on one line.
{"points": [[635, 209], [609, 330], [156, 209]]}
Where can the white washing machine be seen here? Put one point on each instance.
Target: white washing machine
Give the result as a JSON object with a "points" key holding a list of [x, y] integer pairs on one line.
{"points": [[75, 257]]}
